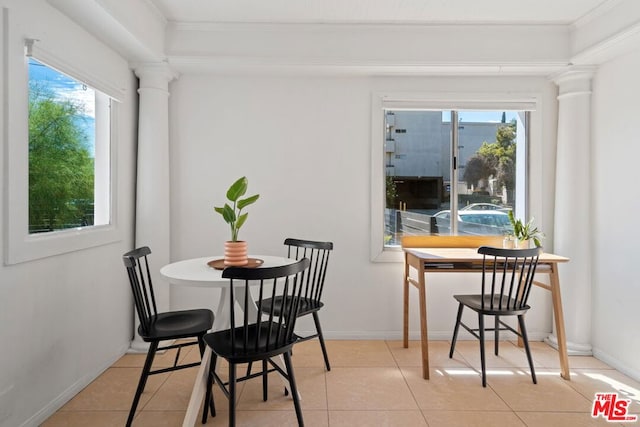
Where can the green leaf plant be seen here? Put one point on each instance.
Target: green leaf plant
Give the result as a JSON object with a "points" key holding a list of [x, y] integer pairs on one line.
{"points": [[232, 214], [525, 231]]}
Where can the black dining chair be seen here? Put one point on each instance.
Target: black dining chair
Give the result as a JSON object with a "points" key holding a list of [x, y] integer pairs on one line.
{"points": [[311, 303], [165, 326], [507, 278], [263, 338]]}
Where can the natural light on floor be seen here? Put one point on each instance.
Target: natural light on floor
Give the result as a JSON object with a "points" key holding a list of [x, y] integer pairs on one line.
{"points": [[373, 382], [629, 391]]}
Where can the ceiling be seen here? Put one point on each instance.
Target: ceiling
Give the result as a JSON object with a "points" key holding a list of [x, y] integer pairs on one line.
{"points": [[383, 11]]}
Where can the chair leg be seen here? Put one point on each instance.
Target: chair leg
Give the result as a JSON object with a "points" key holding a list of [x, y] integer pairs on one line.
{"points": [[201, 345], [143, 381], [523, 332], [455, 330], [316, 320], [232, 394], [482, 359], [208, 399], [265, 379], [294, 388], [496, 337]]}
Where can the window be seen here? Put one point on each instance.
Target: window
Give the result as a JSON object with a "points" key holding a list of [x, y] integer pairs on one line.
{"points": [[67, 159], [449, 171], [61, 180]]}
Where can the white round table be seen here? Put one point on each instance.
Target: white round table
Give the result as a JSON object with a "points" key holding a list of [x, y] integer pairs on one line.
{"points": [[196, 272]]}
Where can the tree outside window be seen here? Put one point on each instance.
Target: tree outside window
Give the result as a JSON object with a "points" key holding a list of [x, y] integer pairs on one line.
{"points": [[495, 160], [61, 150]]}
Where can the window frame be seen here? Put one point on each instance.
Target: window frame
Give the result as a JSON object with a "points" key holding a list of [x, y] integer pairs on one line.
{"points": [[381, 101], [20, 245]]}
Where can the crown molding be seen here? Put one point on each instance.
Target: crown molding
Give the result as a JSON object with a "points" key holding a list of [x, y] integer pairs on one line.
{"points": [[320, 66], [595, 13], [620, 43]]}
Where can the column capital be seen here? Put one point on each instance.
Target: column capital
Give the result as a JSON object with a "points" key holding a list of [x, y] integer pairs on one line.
{"points": [[154, 74], [575, 80]]}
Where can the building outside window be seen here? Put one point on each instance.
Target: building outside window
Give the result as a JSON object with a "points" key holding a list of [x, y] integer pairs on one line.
{"points": [[444, 164]]}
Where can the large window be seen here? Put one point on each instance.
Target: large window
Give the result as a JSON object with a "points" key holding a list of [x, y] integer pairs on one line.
{"points": [[452, 172], [61, 180], [447, 171], [68, 162]]}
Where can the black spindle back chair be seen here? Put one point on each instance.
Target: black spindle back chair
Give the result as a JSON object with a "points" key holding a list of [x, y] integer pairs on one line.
{"points": [[318, 254], [164, 326], [262, 336], [507, 279]]}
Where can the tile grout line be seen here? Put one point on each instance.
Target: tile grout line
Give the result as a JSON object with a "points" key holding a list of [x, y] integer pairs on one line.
{"points": [[580, 390], [415, 400]]}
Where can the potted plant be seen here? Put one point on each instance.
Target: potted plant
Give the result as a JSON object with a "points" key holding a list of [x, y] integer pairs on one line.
{"points": [[235, 251], [524, 233]]}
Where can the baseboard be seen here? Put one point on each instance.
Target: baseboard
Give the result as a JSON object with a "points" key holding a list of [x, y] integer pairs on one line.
{"points": [[616, 364], [413, 335], [573, 349], [49, 409]]}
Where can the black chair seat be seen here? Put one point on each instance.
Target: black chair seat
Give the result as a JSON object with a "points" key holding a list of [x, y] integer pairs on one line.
{"points": [[307, 305], [482, 304], [177, 324], [264, 343]]}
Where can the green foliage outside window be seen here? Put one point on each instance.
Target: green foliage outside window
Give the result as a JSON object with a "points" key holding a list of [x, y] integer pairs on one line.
{"points": [[61, 169], [495, 159]]}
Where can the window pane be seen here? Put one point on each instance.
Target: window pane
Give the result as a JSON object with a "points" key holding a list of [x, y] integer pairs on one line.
{"points": [[418, 168], [487, 170], [62, 138], [419, 186]]}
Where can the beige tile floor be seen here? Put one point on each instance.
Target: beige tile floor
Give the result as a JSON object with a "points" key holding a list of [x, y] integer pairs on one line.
{"points": [[372, 383]]}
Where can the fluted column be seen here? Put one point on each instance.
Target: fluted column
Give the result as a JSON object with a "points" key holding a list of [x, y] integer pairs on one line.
{"points": [[152, 192], [572, 221]]}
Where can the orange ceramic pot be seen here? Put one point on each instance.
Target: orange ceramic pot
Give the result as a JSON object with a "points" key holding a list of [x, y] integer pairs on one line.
{"points": [[235, 253]]}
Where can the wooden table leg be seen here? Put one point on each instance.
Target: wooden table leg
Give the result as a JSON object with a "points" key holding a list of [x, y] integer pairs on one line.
{"points": [[422, 295], [198, 392], [559, 319], [405, 308], [423, 324]]}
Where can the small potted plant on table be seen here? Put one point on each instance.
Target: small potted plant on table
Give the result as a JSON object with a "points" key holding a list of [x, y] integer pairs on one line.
{"points": [[523, 234], [235, 251]]}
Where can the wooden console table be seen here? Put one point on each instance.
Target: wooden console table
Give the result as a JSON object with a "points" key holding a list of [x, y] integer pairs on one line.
{"points": [[458, 254]]}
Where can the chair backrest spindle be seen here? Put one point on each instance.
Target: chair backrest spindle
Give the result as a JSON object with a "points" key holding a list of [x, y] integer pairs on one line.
{"points": [[318, 255], [273, 328], [511, 272], [232, 317], [139, 272]]}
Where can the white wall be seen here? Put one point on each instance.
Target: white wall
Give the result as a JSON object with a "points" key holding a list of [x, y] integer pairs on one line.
{"points": [[304, 144], [616, 284], [65, 318]]}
